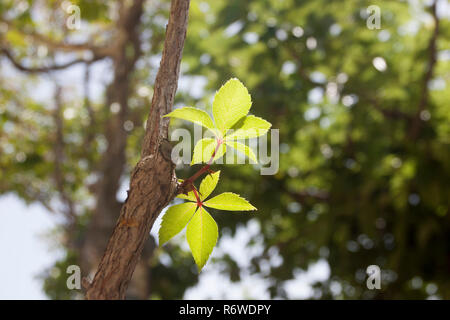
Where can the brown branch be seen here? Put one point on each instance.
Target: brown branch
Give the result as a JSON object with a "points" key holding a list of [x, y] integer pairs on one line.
{"points": [[58, 150], [54, 67], [303, 196], [90, 135], [390, 113], [40, 198], [416, 125], [187, 184], [153, 181]]}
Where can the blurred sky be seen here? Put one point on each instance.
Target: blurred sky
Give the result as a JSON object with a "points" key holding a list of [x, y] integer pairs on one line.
{"points": [[24, 254]]}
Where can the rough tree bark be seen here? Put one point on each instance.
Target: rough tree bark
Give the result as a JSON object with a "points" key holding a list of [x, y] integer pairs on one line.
{"points": [[153, 182]]}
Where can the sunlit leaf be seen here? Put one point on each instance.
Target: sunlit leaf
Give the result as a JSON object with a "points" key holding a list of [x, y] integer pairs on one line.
{"points": [[208, 184], [194, 115], [243, 149], [231, 103], [229, 201], [204, 150], [174, 220], [202, 234], [249, 127]]}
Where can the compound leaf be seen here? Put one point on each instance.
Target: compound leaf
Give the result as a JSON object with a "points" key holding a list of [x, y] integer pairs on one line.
{"points": [[249, 127], [229, 201], [202, 234], [193, 115], [208, 184], [231, 103], [204, 150], [243, 149], [190, 196], [174, 220]]}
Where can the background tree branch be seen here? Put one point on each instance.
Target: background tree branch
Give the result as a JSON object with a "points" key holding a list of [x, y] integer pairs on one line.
{"points": [[416, 125], [45, 69]]}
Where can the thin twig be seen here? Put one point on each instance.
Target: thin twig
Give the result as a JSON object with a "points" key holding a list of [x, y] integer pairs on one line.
{"points": [[54, 67], [187, 184], [424, 98]]}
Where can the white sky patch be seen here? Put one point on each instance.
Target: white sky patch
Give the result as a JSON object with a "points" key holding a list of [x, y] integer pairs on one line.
{"points": [[204, 7], [342, 78], [312, 113], [214, 285], [233, 28], [281, 34], [332, 92], [23, 248], [335, 29], [349, 100], [444, 55], [443, 9], [193, 85], [251, 37], [205, 58], [301, 286], [298, 31], [288, 67], [437, 84], [379, 63], [69, 113], [318, 77], [384, 35], [311, 43], [315, 95]]}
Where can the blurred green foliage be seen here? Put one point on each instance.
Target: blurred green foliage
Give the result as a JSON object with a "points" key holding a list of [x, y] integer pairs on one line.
{"points": [[355, 187]]}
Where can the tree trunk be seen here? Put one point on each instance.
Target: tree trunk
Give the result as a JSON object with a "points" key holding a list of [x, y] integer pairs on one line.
{"points": [[153, 181]]}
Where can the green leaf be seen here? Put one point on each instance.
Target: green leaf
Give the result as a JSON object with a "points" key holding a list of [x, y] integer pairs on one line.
{"points": [[194, 115], [243, 149], [190, 196], [249, 127], [175, 220], [208, 184], [204, 150], [229, 201], [231, 103], [202, 234]]}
